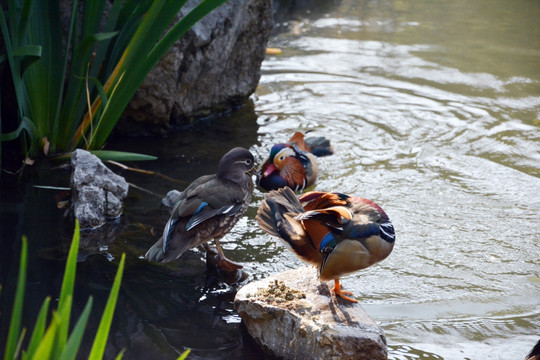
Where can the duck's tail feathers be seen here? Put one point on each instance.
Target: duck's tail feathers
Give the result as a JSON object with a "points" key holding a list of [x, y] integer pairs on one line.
{"points": [[276, 216], [155, 253], [319, 146]]}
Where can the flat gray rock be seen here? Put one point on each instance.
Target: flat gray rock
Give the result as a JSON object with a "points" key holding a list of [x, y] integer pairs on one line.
{"points": [[293, 315]]}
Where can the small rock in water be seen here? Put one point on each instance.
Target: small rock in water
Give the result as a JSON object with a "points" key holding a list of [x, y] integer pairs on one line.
{"points": [[97, 192]]}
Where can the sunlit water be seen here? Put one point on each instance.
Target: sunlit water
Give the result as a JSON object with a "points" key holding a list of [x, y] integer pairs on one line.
{"points": [[433, 110]]}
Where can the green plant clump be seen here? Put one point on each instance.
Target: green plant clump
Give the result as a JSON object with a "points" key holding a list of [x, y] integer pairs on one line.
{"points": [[72, 87], [53, 341]]}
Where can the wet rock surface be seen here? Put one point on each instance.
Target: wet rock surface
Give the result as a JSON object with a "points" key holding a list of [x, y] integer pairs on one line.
{"points": [[292, 315], [97, 192], [217, 62]]}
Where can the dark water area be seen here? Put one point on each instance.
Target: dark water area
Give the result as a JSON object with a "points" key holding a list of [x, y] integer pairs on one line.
{"points": [[433, 109], [162, 310]]}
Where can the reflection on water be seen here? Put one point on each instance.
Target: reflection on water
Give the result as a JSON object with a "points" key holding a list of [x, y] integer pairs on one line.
{"points": [[433, 109]]}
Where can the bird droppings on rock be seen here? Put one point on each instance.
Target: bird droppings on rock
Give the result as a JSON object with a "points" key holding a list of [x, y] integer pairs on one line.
{"points": [[278, 292]]}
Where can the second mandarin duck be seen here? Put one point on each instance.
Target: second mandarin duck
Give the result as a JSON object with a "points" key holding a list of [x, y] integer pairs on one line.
{"points": [[208, 209], [293, 164], [338, 233]]}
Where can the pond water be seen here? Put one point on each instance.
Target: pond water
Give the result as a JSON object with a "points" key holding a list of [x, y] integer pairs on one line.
{"points": [[433, 110]]}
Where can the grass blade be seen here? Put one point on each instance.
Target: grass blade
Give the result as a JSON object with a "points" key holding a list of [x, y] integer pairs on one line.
{"points": [[68, 282], [62, 331], [16, 314], [45, 347], [98, 348], [184, 354], [72, 346], [39, 328], [105, 155]]}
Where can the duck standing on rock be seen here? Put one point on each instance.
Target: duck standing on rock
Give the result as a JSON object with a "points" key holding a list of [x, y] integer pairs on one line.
{"points": [[293, 164], [208, 209], [338, 233]]}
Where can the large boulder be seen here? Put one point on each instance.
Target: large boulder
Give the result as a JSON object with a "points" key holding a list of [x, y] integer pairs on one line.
{"points": [[217, 62], [292, 315], [97, 193]]}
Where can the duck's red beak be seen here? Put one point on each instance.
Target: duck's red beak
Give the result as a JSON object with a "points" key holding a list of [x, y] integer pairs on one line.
{"points": [[270, 169]]}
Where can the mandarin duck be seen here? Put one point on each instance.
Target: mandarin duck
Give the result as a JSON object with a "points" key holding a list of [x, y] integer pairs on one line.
{"points": [[534, 354], [338, 233], [208, 209], [293, 164]]}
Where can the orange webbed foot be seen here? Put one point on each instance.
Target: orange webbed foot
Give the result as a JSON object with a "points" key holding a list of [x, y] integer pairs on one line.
{"points": [[342, 294]]}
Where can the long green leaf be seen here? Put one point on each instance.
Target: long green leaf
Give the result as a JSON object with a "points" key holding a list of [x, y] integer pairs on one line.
{"points": [[98, 347], [106, 155], [23, 20], [45, 347], [62, 331], [43, 81], [76, 86], [14, 66], [16, 313], [26, 50], [68, 282], [184, 354], [72, 346], [39, 329], [186, 23], [25, 124], [53, 136]]}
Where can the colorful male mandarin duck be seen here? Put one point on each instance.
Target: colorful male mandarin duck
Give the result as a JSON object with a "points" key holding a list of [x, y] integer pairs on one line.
{"points": [[338, 233], [293, 164], [208, 209]]}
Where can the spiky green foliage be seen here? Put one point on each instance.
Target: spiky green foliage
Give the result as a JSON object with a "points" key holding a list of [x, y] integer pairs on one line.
{"points": [[61, 105], [53, 341]]}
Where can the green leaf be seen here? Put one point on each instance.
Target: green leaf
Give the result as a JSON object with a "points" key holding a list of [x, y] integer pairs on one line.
{"points": [[105, 155], [72, 346], [27, 50], [62, 330], [16, 313], [68, 282], [98, 347], [45, 347], [184, 354], [39, 328], [120, 355]]}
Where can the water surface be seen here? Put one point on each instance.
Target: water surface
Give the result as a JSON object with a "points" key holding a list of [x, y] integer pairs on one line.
{"points": [[433, 110]]}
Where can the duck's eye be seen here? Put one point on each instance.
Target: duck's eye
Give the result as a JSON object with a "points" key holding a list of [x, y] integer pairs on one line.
{"points": [[281, 158], [248, 162]]}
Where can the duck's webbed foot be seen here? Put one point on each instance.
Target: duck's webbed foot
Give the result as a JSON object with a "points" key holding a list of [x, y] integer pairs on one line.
{"points": [[342, 294], [224, 263]]}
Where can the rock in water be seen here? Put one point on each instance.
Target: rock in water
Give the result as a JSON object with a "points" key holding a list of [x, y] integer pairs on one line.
{"points": [[292, 315], [96, 192], [216, 63]]}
